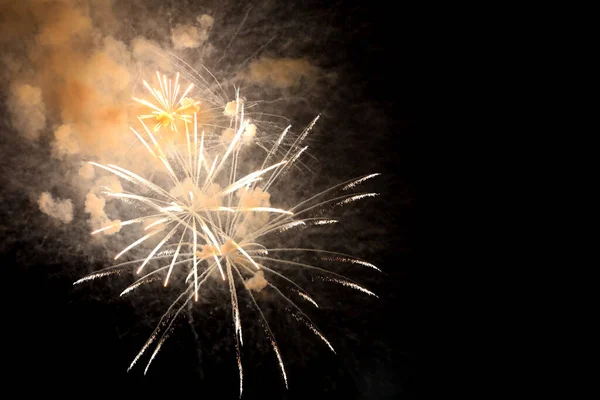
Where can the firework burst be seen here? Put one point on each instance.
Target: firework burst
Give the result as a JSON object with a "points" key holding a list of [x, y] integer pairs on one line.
{"points": [[170, 106], [209, 215]]}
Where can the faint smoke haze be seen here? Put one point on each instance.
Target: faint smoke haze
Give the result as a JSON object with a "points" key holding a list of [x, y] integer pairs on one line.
{"points": [[69, 76]]}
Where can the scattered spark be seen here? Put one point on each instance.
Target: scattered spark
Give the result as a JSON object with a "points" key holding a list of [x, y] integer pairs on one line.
{"points": [[308, 298], [352, 261], [357, 197], [359, 181], [350, 285], [212, 219]]}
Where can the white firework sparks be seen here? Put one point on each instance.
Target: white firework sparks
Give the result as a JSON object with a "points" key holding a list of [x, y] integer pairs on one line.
{"points": [[209, 217], [170, 106]]}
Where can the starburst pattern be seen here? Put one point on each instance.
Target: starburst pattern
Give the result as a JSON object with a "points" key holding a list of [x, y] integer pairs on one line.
{"points": [[209, 215]]}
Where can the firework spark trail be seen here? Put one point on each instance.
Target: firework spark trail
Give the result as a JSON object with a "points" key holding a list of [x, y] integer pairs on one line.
{"points": [[214, 219], [192, 173], [168, 108], [268, 331]]}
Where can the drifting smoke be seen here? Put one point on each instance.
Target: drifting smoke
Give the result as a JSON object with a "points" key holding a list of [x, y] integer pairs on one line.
{"points": [[94, 204], [71, 85], [72, 80], [27, 109], [257, 282], [69, 80], [87, 171], [192, 36], [59, 209], [281, 72]]}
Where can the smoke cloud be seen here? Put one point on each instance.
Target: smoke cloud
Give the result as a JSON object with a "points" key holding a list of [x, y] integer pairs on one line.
{"points": [[192, 36], [281, 72], [71, 68], [69, 74], [257, 282], [59, 209], [27, 109]]}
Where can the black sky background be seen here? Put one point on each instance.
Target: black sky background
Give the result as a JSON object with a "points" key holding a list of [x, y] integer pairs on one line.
{"points": [[63, 341]]}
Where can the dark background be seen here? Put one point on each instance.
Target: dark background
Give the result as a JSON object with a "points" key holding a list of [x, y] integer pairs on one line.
{"points": [[60, 340]]}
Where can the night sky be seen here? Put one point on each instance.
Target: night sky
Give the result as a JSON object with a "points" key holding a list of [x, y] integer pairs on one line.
{"points": [[60, 340]]}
